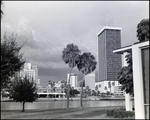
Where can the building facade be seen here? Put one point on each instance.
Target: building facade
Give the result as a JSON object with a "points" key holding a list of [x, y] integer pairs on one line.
{"points": [[31, 72], [90, 81], [35, 68], [109, 64], [73, 79], [104, 87]]}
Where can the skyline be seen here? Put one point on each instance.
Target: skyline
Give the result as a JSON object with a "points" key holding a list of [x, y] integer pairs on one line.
{"points": [[55, 24]]}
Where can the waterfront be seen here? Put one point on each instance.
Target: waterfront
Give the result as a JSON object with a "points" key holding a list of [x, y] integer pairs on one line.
{"points": [[42, 105]]}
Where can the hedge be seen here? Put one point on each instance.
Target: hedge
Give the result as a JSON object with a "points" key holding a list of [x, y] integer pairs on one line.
{"points": [[120, 113]]}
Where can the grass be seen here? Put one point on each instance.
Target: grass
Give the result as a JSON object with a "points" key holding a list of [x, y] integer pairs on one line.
{"points": [[62, 113]]}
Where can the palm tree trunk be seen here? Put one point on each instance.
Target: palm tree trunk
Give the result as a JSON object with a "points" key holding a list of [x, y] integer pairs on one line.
{"points": [[23, 106], [81, 101], [68, 89]]}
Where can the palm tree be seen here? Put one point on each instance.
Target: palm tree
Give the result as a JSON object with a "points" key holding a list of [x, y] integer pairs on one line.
{"points": [[62, 87], [96, 88], [86, 65], [70, 56], [87, 89], [109, 86]]}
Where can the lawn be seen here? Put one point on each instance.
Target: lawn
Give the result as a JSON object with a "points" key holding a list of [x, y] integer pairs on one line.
{"points": [[62, 113]]}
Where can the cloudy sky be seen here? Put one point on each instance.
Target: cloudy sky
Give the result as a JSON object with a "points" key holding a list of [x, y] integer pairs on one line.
{"points": [[48, 26]]}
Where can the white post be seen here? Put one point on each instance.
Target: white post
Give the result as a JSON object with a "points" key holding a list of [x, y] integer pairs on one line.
{"points": [[138, 82], [128, 102]]}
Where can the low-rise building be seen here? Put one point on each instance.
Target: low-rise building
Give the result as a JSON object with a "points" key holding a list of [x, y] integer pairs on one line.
{"points": [[90, 81]]}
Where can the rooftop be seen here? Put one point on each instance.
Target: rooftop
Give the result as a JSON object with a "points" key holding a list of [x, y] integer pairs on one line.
{"points": [[108, 27]]}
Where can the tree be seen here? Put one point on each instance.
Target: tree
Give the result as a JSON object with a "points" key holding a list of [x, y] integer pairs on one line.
{"points": [[70, 56], [86, 65], [143, 30], [93, 92], [72, 90], [96, 88], [109, 85], [11, 60], [76, 91], [105, 88], [23, 90], [62, 88], [125, 76], [87, 90], [71, 93], [113, 83], [1, 9], [98, 92]]}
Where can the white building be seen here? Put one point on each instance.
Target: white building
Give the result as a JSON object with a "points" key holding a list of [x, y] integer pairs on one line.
{"points": [[73, 79], [31, 72], [90, 81], [103, 87], [58, 84]]}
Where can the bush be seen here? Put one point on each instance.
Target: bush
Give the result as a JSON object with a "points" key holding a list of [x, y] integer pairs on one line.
{"points": [[110, 112], [120, 113]]}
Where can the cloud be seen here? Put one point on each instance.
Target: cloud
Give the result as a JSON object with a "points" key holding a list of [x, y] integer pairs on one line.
{"points": [[48, 26]]}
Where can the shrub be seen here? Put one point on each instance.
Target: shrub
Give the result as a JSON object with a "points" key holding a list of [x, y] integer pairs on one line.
{"points": [[120, 113], [110, 112]]}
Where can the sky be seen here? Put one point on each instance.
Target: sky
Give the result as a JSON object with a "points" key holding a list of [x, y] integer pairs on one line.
{"points": [[48, 26]]}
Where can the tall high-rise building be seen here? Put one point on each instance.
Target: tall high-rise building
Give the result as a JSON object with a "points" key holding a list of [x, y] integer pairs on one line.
{"points": [[35, 68], [31, 72], [73, 79], [109, 64]]}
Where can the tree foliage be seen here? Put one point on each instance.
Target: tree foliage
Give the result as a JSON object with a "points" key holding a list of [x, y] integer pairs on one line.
{"points": [[70, 55], [1, 9], [87, 90], [96, 87], [11, 60], [125, 76], [87, 63], [23, 90], [143, 30]]}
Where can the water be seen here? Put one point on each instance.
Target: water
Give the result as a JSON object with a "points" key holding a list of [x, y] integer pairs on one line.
{"points": [[59, 104]]}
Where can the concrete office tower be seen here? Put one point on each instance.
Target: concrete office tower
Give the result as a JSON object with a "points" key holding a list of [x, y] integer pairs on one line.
{"points": [[35, 68], [90, 81], [31, 72], [73, 79], [27, 71], [38, 81], [109, 64]]}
